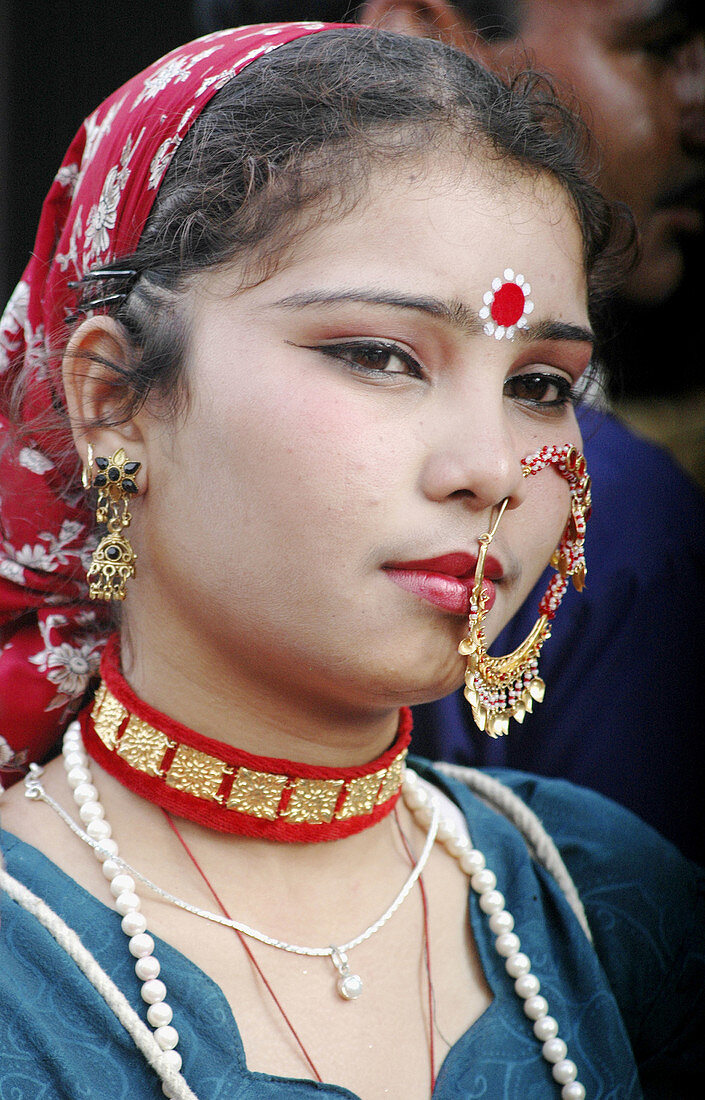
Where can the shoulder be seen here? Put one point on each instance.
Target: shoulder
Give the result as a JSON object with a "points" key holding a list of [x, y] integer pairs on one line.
{"points": [[645, 904], [608, 849]]}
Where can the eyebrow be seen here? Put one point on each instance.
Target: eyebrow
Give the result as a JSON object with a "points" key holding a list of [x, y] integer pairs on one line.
{"points": [[666, 17], [453, 312]]}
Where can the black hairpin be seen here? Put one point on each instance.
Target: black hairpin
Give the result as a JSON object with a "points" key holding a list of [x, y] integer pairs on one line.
{"points": [[104, 299], [104, 273]]}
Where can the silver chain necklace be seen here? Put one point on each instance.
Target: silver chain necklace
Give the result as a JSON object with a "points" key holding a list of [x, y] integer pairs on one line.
{"points": [[349, 985], [427, 812]]}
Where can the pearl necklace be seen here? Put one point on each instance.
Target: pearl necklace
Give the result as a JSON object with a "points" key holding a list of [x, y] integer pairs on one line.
{"points": [[425, 808]]}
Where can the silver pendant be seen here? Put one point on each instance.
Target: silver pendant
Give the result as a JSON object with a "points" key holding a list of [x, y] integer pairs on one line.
{"points": [[349, 985]]}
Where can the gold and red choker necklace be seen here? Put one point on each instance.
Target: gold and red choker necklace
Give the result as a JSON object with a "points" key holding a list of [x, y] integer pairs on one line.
{"points": [[224, 788]]}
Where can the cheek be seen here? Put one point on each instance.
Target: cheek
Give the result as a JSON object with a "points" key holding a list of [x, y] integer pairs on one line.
{"points": [[639, 138], [304, 468], [630, 116]]}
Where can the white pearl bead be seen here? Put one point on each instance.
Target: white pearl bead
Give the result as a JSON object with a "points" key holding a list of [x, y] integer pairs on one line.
{"points": [[127, 901], [111, 869], [78, 775], [147, 968], [446, 830], [573, 1091], [456, 845], [554, 1050], [74, 758], [483, 881], [537, 1008], [108, 848], [153, 990], [167, 1037], [409, 781], [170, 1058], [159, 1014], [527, 985], [167, 1091], [121, 884], [99, 830], [133, 923], [508, 943], [85, 792], [91, 811], [472, 861], [424, 814], [416, 798], [491, 902], [141, 945], [517, 965], [565, 1071], [501, 922]]}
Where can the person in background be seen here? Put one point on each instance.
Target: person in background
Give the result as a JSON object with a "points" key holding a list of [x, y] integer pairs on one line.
{"points": [[622, 717]]}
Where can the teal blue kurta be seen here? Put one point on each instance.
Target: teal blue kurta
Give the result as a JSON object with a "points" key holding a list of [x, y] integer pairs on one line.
{"points": [[632, 1010]]}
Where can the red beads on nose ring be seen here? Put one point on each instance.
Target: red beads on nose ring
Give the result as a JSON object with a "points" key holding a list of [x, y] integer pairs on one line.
{"points": [[500, 688]]}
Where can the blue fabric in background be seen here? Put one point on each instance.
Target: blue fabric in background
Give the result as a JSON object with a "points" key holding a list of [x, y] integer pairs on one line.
{"points": [[624, 711]]}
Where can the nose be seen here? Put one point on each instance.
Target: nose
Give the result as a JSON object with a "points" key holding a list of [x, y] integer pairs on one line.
{"points": [[690, 85], [474, 456]]}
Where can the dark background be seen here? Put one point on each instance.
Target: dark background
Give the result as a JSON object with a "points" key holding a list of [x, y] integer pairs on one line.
{"points": [[58, 60]]}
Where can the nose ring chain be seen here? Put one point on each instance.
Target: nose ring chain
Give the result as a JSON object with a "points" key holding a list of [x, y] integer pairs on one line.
{"points": [[501, 688]]}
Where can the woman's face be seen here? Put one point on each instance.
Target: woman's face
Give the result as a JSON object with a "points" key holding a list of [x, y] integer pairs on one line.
{"points": [[350, 423]]}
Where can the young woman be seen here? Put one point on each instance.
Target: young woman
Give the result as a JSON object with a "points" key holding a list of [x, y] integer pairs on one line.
{"points": [[314, 302]]}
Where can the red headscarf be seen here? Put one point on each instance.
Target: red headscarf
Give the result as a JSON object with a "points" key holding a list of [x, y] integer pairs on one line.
{"points": [[51, 635]]}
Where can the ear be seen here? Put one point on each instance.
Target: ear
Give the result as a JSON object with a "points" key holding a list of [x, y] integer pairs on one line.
{"points": [[95, 391], [438, 19]]}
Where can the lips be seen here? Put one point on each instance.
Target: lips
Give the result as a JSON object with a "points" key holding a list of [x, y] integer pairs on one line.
{"points": [[445, 581]]}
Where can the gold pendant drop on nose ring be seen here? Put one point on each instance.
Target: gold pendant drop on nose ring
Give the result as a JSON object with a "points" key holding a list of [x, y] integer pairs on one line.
{"points": [[501, 688]]}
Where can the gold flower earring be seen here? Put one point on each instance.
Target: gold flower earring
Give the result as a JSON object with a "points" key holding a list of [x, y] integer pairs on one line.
{"points": [[500, 688], [113, 561]]}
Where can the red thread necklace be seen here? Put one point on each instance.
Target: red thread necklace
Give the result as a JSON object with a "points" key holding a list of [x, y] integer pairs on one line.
{"points": [[266, 983], [217, 785]]}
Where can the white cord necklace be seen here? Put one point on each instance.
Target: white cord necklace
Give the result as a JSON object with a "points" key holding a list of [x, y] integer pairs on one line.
{"points": [[349, 985], [426, 810]]}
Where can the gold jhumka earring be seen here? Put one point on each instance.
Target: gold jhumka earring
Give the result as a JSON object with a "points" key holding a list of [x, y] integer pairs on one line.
{"points": [[113, 561], [500, 688]]}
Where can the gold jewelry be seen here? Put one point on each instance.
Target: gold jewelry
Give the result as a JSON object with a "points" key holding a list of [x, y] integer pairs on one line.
{"points": [[500, 688], [113, 561], [87, 471]]}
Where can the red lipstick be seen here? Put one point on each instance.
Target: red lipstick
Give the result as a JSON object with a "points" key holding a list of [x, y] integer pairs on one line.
{"points": [[445, 581]]}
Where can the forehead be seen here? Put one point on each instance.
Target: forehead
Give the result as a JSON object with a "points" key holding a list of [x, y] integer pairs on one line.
{"points": [[448, 232], [600, 13]]}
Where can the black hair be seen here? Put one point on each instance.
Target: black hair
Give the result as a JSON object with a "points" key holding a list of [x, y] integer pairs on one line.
{"points": [[292, 140]]}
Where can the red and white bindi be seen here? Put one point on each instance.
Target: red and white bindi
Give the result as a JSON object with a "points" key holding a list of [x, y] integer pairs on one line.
{"points": [[507, 306]]}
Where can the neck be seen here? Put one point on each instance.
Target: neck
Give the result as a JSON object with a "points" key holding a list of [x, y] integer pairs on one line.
{"points": [[250, 715], [226, 788]]}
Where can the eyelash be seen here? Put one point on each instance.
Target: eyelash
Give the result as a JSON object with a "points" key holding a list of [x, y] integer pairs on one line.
{"points": [[372, 349], [378, 349], [666, 46], [564, 391]]}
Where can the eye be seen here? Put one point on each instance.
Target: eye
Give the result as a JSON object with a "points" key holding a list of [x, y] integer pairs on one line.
{"points": [[552, 391], [663, 40], [374, 357]]}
